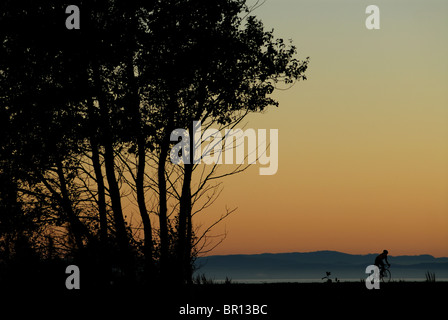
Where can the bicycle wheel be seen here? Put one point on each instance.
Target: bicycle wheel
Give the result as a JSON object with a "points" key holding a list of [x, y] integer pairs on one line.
{"points": [[386, 276]]}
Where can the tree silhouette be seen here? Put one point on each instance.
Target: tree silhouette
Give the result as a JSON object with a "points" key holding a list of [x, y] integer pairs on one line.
{"points": [[212, 62], [38, 136], [86, 119], [60, 95]]}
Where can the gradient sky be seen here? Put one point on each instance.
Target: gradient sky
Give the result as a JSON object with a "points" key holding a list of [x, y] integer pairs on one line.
{"points": [[363, 144]]}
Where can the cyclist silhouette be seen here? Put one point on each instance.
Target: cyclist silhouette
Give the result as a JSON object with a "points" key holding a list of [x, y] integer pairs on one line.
{"points": [[379, 261]]}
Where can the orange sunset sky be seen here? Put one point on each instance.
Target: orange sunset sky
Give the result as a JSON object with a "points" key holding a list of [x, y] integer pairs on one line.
{"points": [[363, 144]]}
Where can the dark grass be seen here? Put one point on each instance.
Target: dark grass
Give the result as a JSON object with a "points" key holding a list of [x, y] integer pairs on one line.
{"points": [[291, 300], [283, 301]]}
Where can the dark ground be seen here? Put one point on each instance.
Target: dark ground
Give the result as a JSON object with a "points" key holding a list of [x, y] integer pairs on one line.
{"points": [[322, 300], [396, 300]]}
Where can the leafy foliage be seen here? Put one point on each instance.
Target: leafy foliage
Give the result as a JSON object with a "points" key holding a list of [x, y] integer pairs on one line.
{"points": [[83, 111]]}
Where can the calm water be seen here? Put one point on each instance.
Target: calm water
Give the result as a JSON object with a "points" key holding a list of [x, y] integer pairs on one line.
{"points": [[316, 280]]}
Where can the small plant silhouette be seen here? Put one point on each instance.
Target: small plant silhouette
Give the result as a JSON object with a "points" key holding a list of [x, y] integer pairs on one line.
{"points": [[430, 276], [202, 279], [329, 280], [228, 280]]}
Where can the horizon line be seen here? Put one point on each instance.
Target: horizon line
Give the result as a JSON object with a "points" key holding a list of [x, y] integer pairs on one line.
{"points": [[316, 251]]}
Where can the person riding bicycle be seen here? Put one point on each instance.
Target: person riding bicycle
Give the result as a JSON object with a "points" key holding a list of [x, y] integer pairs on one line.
{"points": [[379, 261]]}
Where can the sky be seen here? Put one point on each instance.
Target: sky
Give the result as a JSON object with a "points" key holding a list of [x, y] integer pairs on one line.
{"points": [[363, 143]]}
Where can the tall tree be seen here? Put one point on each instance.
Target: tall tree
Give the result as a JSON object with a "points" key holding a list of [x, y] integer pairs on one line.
{"points": [[211, 61], [121, 84], [37, 90]]}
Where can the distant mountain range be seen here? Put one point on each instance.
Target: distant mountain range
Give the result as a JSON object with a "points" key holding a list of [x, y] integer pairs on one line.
{"points": [[314, 265]]}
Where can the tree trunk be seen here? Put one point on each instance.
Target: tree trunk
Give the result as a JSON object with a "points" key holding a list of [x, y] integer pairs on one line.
{"points": [[184, 228], [76, 226], [124, 252], [103, 245], [141, 154], [163, 220], [103, 124], [101, 190], [147, 229], [115, 197]]}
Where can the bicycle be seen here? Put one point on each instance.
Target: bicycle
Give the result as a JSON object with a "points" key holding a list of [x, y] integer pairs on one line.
{"points": [[385, 274]]}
